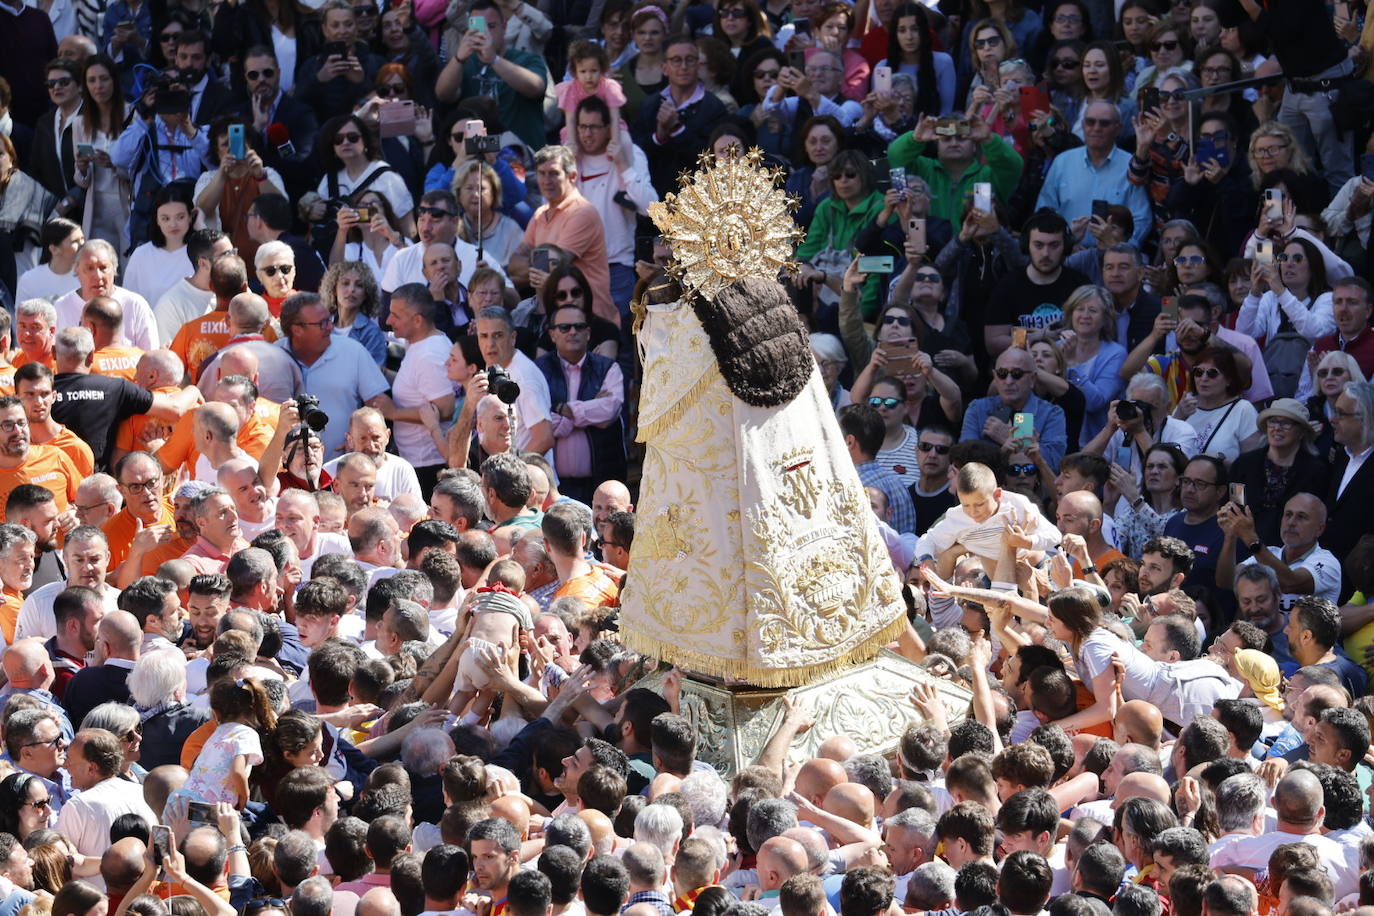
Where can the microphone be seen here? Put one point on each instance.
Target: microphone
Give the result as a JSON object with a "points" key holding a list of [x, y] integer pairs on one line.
{"points": [[280, 137]]}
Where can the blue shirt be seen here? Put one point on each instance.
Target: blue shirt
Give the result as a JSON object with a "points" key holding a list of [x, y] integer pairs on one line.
{"points": [[132, 151], [1073, 183], [872, 474], [1100, 381], [343, 378], [1050, 426]]}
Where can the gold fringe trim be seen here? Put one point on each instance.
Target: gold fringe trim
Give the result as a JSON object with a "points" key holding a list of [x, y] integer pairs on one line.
{"points": [[740, 670], [659, 425]]}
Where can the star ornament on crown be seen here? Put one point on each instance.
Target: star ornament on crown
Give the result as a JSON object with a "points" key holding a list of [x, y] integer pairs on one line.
{"points": [[730, 220]]}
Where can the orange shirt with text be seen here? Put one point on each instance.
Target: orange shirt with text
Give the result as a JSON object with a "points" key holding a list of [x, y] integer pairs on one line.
{"points": [[201, 338], [48, 466], [116, 362]]}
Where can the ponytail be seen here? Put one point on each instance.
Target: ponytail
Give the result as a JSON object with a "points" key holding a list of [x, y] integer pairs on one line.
{"points": [[262, 706], [235, 699]]}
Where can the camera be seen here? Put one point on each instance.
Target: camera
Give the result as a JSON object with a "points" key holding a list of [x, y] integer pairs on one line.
{"points": [[480, 146], [1129, 410], [502, 385], [308, 406]]}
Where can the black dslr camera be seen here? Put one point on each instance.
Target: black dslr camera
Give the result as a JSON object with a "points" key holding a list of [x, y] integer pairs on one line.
{"points": [[480, 146], [1129, 410], [502, 385], [170, 95], [308, 406]]}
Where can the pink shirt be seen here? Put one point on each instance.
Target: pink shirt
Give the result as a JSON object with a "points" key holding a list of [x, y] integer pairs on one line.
{"points": [[572, 450]]}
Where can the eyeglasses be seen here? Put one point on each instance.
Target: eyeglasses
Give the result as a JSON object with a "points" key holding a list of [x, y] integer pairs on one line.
{"points": [[1171, 95], [1206, 372], [690, 61], [570, 327], [351, 137], [272, 269], [436, 212], [1068, 19], [566, 295], [889, 403], [1067, 63], [1216, 71], [365, 10], [1099, 122], [1167, 45], [132, 734], [143, 486], [168, 36], [456, 136], [734, 14], [818, 68], [1268, 152], [1016, 374], [323, 323], [1194, 483], [10, 426], [1296, 257], [265, 73], [1280, 423], [1339, 414], [60, 82], [55, 743], [40, 803], [1219, 136], [1021, 470], [1331, 370], [901, 321], [991, 41], [1190, 260], [928, 278], [847, 173], [770, 73], [392, 90], [932, 447]]}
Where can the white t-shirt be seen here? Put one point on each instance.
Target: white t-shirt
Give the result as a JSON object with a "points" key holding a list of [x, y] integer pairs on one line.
{"points": [[140, 328], [209, 779], [394, 477], [36, 615], [1321, 563], [1221, 430], [328, 542], [534, 403], [422, 378], [390, 185], [41, 283], [1254, 852], [182, 302], [152, 271], [408, 265]]}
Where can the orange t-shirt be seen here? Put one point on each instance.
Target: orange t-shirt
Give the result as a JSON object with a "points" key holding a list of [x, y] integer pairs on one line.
{"points": [[7, 379], [201, 338], [180, 451], [48, 466], [10, 603], [195, 743], [130, 436], [598, 588], [77, 450], [116, 362], [120, 530]]}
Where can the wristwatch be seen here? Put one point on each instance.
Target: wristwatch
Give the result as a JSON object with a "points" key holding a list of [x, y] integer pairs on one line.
{"points": [[1255, 547], [1090, 570]]}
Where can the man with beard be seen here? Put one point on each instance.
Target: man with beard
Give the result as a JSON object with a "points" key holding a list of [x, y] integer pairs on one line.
{"points": [[256, 508], [156, 605], [436, 220], [368, 435], [218, 534], [298, 517], [495, 858], [1033, 298], [610, 497], [494, 428], [288, 125], [87, 557], [22, 462], [1164, 563], [1202, 488], [207, 602], [1303, 566], [76, 611], [356, 482], [33, 507], [1258, 602], [1352, 303], [33, 383]]}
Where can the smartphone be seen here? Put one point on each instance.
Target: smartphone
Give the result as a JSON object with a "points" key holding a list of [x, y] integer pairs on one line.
{"points": [[916, 231], [200, 813], [882, 79], [1273, 203], [883, 172], [1023, 426], [85, 149], [897, 177], [801, 27], [477, 24], [1033, 99], [1238, 494], [901, 357], [1148, 98], [982, 196], [644, 248], [1100, 210], [1169, 307], [397, 118], [875, 264], [335, 49], [162, 843], [236, 141], [1264, 252], [1207, 150], [796, 60], [364, 214], [1367, 166], [1123, 456], [539, 259], [1018, 338]]}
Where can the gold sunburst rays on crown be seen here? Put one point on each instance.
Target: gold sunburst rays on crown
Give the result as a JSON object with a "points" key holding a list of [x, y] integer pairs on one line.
{"points": [[729, 220]]}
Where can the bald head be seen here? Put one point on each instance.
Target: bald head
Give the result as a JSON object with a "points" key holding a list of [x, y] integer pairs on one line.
{"points": [[159, 369], [161, 782], [120, 634], [515, 809], [1083, 504], [248, 313], [818, 776], [121, 865], [379, 901], [779, 859], [1298, 801], [27, 665], [852, 802], [838, 747], [1138, 722], [1141, 785], [601, 829]]}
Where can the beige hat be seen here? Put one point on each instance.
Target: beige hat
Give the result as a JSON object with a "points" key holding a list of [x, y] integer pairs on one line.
{"points": [[1288, 409]]}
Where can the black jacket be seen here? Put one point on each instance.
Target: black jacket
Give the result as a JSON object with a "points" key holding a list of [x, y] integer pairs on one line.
{"points": [[49, 168], [1348, 515], [166, 731], [295, 163], [679, 154], [93, 685], [1310, 475]]}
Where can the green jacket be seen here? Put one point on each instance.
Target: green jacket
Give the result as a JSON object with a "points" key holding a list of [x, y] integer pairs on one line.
{"points": [[836, 226], [1001, 166]]}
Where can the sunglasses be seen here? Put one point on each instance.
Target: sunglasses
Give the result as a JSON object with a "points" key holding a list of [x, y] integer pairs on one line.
{"points": [[1164, 45], [847, 173], [265, 73], [928, 278], [1015, 374], [889, 403], [60, 82], [391, 91], [1067, 63], [272, 269], [41, 803], [350, 137], [992, 42], [1333, 370], [932, 447], [1296, 257], [1021, 470], [1189, 260], [565, 295], [1171, 95], [1206, 372], [364, 10], [574, 327], [767, 73], [436, 212], [1219, 136], [899, 320]]}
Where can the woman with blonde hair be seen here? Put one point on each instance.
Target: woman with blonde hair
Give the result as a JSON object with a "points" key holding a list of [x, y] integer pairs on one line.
{"points": [[1333, 371], [478, 190], [1092, 357], [1274, 146], [349, 291]]}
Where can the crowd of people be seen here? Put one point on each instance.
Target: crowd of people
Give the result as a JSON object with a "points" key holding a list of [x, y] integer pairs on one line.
{"points": [[318, 389]]}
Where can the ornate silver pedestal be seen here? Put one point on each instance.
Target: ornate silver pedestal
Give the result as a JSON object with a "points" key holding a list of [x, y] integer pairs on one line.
{"points": [[869, 703]]}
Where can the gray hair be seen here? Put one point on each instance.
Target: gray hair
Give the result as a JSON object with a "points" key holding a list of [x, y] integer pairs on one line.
{"points": [[157, 677], [769, 817], [74, 343], [660, 825], [706, 795], [918, 821], [567, 829], [116, 718], [102, 487], [1130, 249], [249, 310], [931, 886], [556, 153], [1151, 381], [100, 247], [829, 346], [1116, 109], [268, 249], [496, 313], [1362, 393], [1239, 799], [905, 80], [423, 752], [31, 308], [11, 534], [1258, 572]]}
